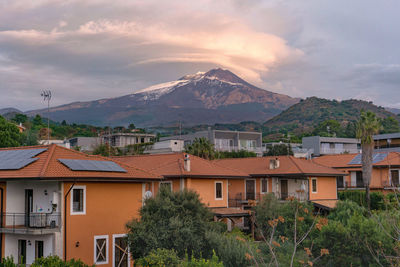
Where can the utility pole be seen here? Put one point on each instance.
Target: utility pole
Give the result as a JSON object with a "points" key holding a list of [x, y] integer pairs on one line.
{"points": [[46, 94]]}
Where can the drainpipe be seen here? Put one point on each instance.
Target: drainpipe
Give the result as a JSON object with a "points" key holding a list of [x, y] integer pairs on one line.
{"points": [[65, 221]]}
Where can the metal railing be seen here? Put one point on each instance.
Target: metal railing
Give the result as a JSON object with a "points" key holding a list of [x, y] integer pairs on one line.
{"points": [[324, 150], [246, 199], [236, 148], [33, 220]]}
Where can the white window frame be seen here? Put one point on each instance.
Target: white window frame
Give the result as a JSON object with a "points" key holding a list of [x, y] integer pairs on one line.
{"points": [[316, 185], [95, 248], [165, 182], [261, 187], [222, 190], [72, 212], [113, 250]]}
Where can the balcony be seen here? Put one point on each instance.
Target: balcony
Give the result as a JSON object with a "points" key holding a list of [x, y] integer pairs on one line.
{"points": [[258, 150], [325, 150], [32, 223]]}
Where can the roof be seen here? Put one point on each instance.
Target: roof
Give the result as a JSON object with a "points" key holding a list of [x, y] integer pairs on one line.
{"points": [[386, 136], [48, 166], [288, 166], [333, 139], [230, 212], [343, 160], [328, 204], [172, 165]]}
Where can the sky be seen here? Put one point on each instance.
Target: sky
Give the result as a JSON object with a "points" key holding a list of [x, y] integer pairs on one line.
{"points": [[86, 50]]}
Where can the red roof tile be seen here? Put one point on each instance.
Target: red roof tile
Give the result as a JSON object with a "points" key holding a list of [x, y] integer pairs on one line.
{"points": [[288, 165], [47, 166], [172, 165], [343, 160]]}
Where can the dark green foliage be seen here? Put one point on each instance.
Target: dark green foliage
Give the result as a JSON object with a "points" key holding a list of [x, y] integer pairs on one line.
{"points": [[329, 128], [358, 196], [50, 261], [231, 248], [201, 147], [9, 134], [280, 150], [390, 125], [20, 118], [171, 220], [349, 234], [106, 150], [166, 257]]}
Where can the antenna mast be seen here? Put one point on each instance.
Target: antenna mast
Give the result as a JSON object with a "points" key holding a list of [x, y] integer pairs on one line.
{"points": [[46, 94]]}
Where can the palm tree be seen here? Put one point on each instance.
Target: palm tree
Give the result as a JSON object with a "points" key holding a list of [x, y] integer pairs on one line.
{"points": [[201, 147], [367, 126]]}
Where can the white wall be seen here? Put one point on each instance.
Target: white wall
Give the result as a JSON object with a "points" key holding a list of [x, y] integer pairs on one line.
{"points": [[41, 203], [175, 145], [11, 246]]}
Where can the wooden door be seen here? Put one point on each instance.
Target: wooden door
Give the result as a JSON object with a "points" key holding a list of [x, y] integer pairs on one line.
{"points": [[121, 255], [284, 189], [250, 189]]}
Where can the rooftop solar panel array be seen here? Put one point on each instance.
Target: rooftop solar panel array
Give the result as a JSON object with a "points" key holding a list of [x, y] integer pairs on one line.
{"points": [[18, 158], [91, 165], [376, 157]]}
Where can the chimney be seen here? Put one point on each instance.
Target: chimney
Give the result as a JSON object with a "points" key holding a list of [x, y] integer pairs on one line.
{"points": [[186, 164], [274, 163]]}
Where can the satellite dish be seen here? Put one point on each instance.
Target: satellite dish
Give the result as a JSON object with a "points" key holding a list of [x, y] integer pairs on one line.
{"points": [[148, 194]]}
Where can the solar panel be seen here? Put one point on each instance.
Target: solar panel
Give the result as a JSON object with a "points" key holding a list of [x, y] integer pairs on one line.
{"points": [[18, 158], [91, 165], [376, 157]]}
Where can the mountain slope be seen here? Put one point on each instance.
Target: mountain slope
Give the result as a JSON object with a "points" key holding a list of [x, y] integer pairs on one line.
{"points": [[310, 112], [9, 110], [217, 96]]}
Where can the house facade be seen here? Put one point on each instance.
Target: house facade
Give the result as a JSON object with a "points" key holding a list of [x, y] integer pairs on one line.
{"points": [[385, 171], [226, 140], [331, 145], [56, 201], [387, 142], [121, 140]]}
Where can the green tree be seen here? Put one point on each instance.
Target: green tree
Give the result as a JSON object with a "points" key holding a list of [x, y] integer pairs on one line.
{"points": [[201, 147], [328, 128], [131, 126], [106, 150], [9, 134], [171, 220], [280, 150], [390, 125], [367, 126], [20, 118], [37, 121]]}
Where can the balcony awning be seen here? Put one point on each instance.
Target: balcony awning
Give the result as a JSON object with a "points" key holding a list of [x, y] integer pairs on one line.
{"points": [[230, 212], [326, 204]]}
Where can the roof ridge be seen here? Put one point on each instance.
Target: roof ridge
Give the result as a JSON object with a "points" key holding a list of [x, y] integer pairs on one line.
{"points": [[23, 147], [52, 148]]}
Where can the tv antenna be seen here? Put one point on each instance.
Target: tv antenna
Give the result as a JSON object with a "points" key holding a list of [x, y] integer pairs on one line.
{"points": [[46, 94]]}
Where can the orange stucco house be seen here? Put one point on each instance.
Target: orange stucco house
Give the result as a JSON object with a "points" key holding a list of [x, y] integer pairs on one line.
{"points": [[385, 171], [284, 176], [57, 201]]}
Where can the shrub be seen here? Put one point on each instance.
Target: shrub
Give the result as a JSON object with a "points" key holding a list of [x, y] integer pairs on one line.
{"points": [[50, 261], [358, 196]]}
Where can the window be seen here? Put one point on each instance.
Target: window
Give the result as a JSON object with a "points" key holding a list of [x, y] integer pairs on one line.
{"points": [[166, 184], [78, 200], [264, 186], [120, 251], [359, 179], [314, 185], [395, 177], [340, 182], [21, 251], [101, 249], [38, 249], [218, 190]]}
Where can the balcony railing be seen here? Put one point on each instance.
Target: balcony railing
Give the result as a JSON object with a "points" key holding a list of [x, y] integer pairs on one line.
{"points": [[34, 222], [325, 150], [236, 148], [248, 199]]}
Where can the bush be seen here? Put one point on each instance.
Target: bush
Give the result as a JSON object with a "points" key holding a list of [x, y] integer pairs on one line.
{"points": [[358, 196], [171, 220], [50, 261], [166, 257]]}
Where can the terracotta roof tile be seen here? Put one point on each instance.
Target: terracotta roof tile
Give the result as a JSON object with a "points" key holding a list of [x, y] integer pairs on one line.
{"points": [[173, 165], [288, 165], [47, 166], [343, 160]]}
